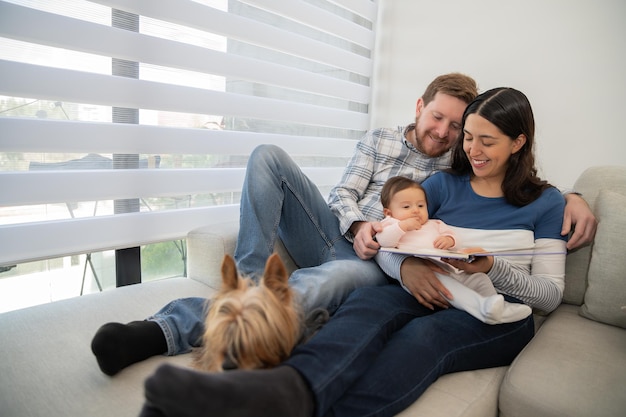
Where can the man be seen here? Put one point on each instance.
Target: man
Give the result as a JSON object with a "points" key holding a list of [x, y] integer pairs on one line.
{"points": [[331, 242]]}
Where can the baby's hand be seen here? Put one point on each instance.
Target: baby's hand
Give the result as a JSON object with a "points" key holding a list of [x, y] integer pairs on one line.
{"points": [[412, 223], [443, 242], [473, 250]]}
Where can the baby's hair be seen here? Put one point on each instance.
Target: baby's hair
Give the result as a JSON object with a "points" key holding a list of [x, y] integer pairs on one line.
{"points": [[396, 184]]}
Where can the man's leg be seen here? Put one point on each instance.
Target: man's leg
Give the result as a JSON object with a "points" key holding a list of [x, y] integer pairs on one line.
{"points": [[336, 357], [175, 329], [278, 200], [423, 350], [178, 326], [328, 285], [320, 370]]}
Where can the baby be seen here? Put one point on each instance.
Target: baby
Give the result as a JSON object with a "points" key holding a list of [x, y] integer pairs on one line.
{"points": [[407, 226]]}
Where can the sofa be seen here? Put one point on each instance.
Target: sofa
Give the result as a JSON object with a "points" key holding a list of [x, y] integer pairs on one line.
{"points": [[575, 366]]}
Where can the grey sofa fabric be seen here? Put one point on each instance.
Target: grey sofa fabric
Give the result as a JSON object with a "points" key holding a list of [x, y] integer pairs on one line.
{"points": [[47, 368], [589, 185], [573, 367]]}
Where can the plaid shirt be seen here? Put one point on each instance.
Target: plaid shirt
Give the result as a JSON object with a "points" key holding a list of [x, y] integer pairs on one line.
{"points": [[380, 155]]}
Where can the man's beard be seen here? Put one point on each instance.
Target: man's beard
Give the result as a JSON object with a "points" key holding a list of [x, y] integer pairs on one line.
{"points": [[419, 141]]}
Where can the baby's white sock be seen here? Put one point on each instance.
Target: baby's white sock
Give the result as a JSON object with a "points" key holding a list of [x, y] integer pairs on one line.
{"points": [[491, 309], [495, 310]]}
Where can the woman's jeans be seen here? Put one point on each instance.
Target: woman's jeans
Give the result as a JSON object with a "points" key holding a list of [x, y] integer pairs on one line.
{"points": [[278, 200], [382, 349]]}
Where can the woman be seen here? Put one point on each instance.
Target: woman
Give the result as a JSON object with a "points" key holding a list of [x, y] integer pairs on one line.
{"points": [[385, 346]]}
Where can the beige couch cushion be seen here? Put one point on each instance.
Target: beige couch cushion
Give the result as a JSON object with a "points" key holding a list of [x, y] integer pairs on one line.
{"points": [[606, 288], [589, 184], [47, 367], [207, 247], [467, 394], [573, 367]]}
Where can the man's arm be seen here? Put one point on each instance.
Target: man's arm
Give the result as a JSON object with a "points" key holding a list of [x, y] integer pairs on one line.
{"points": [[578, 218], [353, 186]]}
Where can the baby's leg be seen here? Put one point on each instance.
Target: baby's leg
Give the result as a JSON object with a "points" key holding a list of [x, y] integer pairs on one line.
{"points": [[478, 282], [489, 307]]}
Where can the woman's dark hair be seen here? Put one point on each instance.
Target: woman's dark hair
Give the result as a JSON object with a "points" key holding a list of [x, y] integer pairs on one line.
{"points": [[510, 111]]}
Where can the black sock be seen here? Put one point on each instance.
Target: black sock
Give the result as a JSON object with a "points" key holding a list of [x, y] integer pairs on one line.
{"points": [[277, 392], [118, 345]]}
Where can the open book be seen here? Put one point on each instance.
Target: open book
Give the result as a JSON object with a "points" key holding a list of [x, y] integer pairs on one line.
{"points": [[468, 254]]}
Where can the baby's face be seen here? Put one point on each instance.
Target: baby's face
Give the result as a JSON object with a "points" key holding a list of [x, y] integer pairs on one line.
{"points": [[410, 202]]}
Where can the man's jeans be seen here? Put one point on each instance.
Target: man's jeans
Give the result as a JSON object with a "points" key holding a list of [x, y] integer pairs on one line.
{"points": [[278, 200], [382, 349]]}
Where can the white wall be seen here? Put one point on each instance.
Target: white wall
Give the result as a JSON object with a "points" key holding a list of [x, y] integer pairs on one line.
{"points": [[567, 56]]}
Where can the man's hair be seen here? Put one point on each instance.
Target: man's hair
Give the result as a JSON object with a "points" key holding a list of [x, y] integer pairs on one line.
{"points": [[396, 184], [454, 84]]}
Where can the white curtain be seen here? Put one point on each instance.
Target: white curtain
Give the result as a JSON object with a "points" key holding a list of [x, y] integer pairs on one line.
{"points": [[127, 122]]}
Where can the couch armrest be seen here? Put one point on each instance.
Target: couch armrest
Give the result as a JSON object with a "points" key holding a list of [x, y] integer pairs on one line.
{"points": [[206, 247]]}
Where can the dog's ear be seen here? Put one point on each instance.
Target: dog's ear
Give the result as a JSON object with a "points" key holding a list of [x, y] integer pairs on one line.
{"points": [[230, 277], [275, 278]]}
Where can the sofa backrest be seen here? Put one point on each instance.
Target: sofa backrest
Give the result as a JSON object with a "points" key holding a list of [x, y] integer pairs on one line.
{"points": [[589, 184]]}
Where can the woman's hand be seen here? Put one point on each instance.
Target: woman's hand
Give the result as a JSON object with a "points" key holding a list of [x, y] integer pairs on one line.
{"points": [[479, 264], [418, 275]]}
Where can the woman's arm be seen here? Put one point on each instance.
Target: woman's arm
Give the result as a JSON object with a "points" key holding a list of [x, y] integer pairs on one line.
{"points": [[417, 276], [540, 281], [390, 263], [541, 287]]}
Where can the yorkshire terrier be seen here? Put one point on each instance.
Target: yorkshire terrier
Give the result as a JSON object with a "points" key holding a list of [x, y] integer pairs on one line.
{"points": [[251, 326]]}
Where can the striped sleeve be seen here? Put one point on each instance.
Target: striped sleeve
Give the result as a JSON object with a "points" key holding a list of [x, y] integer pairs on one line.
{"points": [[541, 287]]}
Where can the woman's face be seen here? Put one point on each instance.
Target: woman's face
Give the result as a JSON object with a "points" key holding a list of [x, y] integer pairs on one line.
{"points": [[487, 148]]}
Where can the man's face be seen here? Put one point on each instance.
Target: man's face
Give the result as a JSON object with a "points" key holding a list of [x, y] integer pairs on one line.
{"points": [[438, 124]]}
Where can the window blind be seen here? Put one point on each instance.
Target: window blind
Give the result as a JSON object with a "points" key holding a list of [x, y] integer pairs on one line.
{"points": [[160, 103]]}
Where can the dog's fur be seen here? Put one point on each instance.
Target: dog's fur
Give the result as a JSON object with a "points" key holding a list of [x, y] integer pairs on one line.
{"points": [[250, 326]]}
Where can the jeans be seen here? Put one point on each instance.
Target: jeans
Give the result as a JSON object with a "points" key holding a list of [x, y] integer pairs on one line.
{"points": [[278, 200], [382, 349]]}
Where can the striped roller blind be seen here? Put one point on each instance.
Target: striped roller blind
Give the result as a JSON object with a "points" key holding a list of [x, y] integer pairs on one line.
{"points": [[128, 122]]}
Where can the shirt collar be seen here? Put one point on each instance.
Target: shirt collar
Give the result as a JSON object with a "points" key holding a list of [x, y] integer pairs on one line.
{"points": [[406, 131]]}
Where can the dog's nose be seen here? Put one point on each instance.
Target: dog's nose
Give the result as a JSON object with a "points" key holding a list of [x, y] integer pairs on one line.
{"points": [[228, 364]]}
